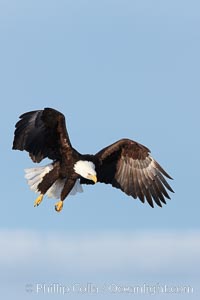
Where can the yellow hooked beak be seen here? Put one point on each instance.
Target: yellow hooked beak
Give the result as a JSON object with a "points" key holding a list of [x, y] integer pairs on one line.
{"points": [[93, 178]]}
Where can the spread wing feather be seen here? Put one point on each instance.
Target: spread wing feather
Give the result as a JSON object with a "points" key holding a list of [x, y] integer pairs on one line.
{"points": [[127, 165], [42, 133]]}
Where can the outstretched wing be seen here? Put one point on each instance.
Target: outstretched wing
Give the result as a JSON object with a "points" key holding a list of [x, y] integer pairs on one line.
{"points": [[128, 166], [43, 134]]}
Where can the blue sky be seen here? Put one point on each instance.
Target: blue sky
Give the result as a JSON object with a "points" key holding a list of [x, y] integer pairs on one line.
{"points": [[115, 69]]}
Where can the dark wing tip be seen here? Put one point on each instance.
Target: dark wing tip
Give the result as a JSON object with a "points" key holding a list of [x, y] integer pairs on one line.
{"points": [[37, 133], [162, 170]]}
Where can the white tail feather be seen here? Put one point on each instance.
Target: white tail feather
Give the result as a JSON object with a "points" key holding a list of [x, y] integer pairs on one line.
{"points": [[77, 188], [35, 175], [55, 190]]}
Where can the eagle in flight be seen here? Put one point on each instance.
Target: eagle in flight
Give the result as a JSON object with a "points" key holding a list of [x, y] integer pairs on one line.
{"points": [[126, 164]]}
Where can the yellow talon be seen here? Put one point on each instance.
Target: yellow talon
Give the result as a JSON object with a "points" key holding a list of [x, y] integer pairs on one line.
{"points": [[38, 200], [59, 206]]}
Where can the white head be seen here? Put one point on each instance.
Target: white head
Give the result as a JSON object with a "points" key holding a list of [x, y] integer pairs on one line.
{"points": [[86, 169]]}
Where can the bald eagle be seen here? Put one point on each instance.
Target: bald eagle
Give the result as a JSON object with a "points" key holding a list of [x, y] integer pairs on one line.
{"points": [[126, 164]]}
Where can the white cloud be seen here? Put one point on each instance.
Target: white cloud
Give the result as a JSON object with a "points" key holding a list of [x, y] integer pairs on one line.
{"points": [[146, 252]]}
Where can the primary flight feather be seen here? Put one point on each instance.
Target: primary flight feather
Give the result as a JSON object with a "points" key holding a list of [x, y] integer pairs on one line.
{"points": [[126, 164]]}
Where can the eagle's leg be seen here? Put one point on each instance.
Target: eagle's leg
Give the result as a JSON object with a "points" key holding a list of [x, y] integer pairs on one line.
{"points": [[38, 200], [59, 206], [66, 190], [46, 183]]}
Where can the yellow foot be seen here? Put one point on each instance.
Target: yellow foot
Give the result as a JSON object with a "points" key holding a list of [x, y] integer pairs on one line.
{"points": [[59, 206], [38, 200]]}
